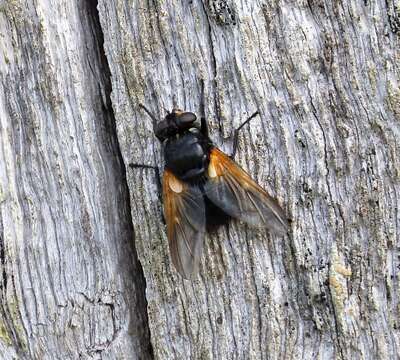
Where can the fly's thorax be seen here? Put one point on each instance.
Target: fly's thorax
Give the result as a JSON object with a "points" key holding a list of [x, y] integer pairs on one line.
{"points": [[186, 154]]}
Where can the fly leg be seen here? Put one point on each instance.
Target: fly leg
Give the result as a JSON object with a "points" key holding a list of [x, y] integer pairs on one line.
{"points": [[157, 172], [204, 125], [158, 177], [153, 118], [236, 134]]}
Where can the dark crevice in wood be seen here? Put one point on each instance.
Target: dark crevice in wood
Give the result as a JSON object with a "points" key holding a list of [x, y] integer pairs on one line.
{"points": [[105, 83], [217, 106], [3, 280], [8, 334]]}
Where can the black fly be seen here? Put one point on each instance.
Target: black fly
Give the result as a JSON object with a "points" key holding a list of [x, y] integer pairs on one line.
{"points": [[204, 187]]}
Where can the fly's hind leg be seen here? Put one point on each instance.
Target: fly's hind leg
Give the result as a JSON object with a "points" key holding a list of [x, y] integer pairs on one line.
{"points": [[236, 134]]}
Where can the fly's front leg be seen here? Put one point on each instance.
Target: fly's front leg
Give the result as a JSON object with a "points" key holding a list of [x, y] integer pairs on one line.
{"points": [[236, 134]]}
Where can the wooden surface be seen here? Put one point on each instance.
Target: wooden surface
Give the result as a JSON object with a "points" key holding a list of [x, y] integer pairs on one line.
{"points": [[70, 283], [324, 76]]}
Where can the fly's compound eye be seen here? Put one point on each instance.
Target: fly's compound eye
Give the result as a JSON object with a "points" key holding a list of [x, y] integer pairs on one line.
{"points": [[185, 118], [180, 120], [162, 130]]}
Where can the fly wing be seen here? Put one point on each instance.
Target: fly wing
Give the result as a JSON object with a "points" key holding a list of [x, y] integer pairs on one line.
{"points": [[184, 212], [232, 189]]}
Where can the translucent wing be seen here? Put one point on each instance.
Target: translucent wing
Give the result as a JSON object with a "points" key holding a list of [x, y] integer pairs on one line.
{"points": [[231, 189], [184, 212]]}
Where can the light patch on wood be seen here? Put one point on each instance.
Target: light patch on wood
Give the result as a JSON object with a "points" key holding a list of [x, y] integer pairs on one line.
{"points": [[175, 185], [336, 285], [4, 335], [342, 270], [338, 275]]}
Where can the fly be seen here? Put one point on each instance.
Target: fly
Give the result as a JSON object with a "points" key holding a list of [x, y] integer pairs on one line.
{"points": [[203, 187]]}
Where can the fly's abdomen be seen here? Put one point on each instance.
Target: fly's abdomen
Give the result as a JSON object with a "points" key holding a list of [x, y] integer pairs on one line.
{"points": [[186, 156]]}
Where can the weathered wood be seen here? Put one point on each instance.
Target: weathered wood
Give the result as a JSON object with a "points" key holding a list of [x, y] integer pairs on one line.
{"points": [[70, 283], [324, 75]]}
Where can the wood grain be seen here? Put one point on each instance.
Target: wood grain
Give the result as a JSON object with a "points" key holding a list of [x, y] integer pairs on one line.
{"points": [[70, 283], [324, 76]]}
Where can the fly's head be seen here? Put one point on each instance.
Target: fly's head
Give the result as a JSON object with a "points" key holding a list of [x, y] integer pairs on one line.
{"points": [[174, 122]]}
